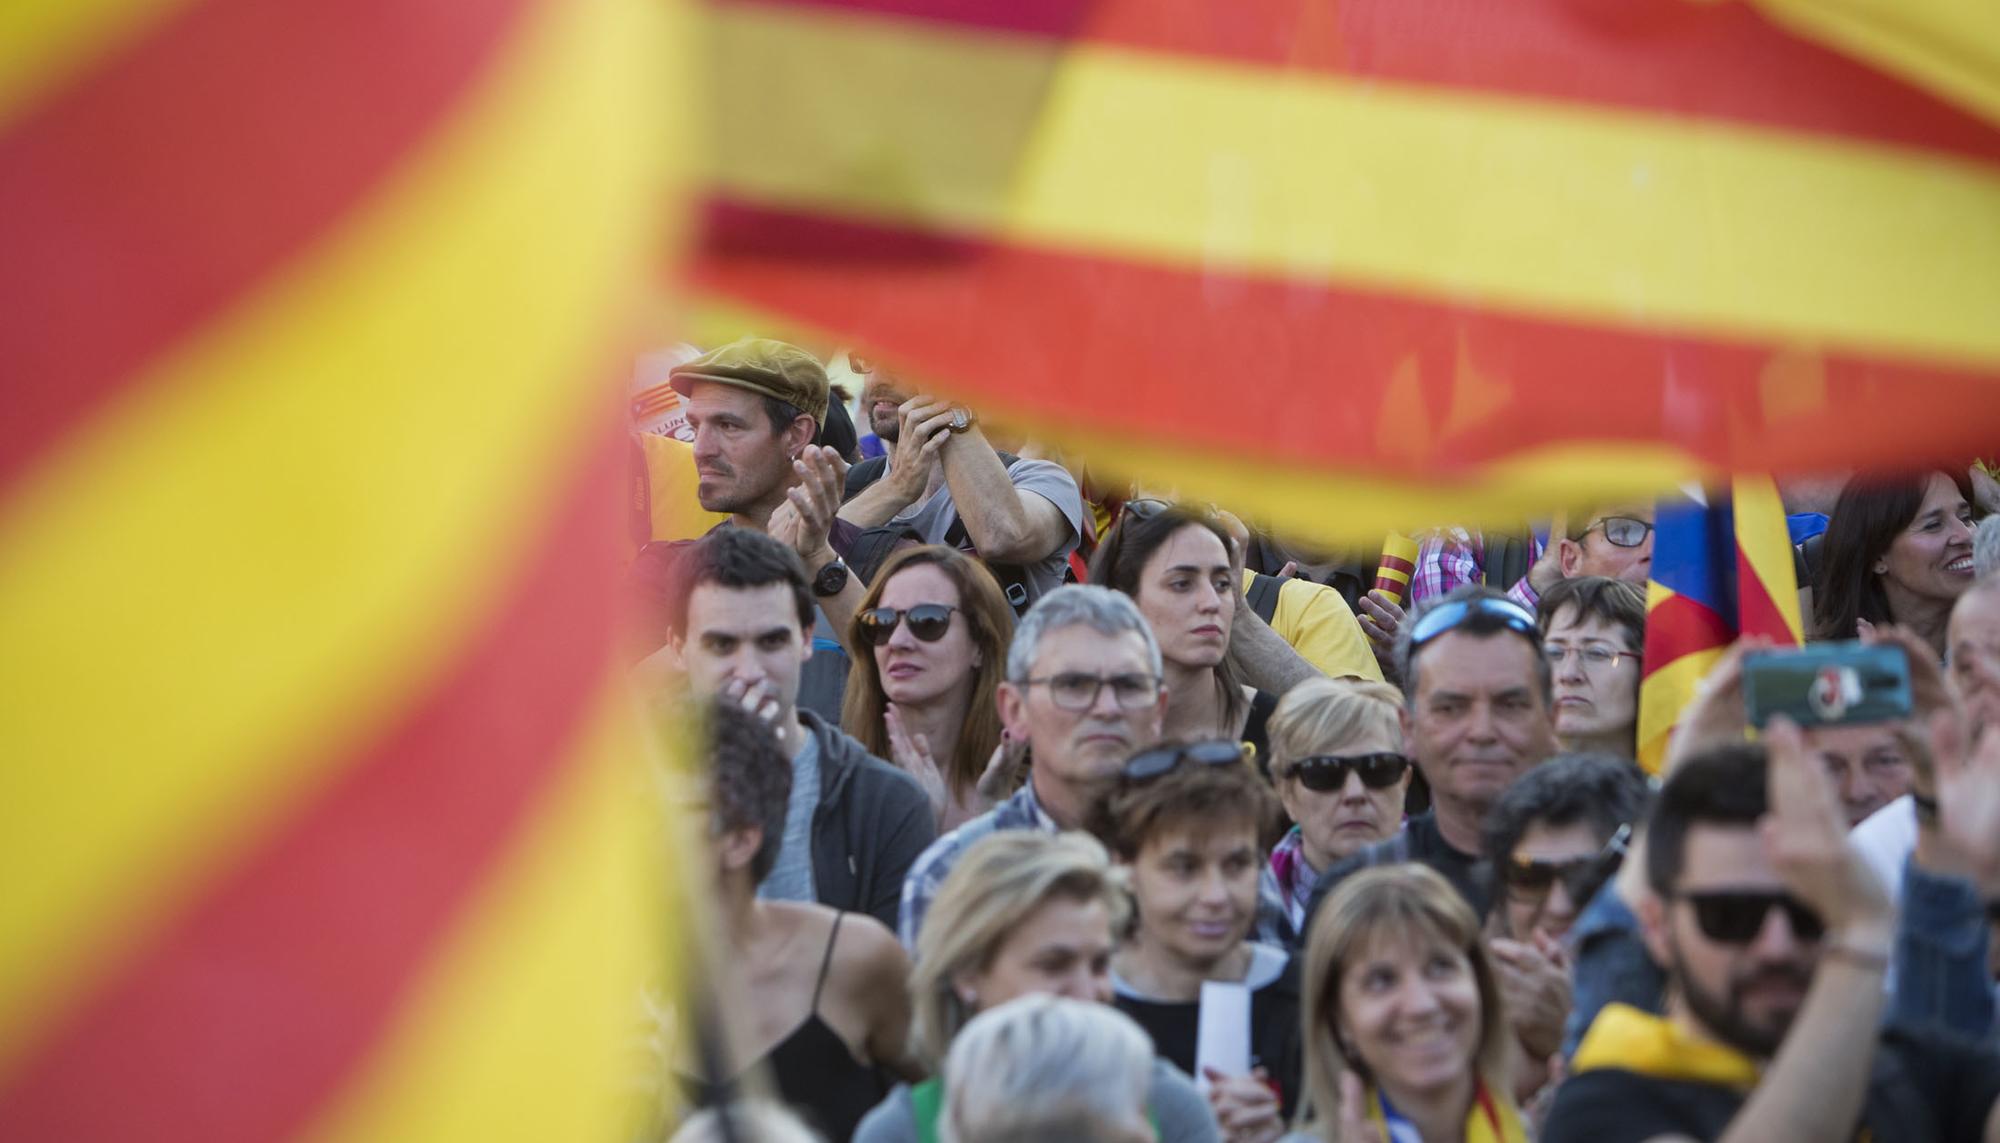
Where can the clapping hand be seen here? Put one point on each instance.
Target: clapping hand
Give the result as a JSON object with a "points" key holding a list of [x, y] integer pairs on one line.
{"points": [[1245, 1106], [911, 752]]}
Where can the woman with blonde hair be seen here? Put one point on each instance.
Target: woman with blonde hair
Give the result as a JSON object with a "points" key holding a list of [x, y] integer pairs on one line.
{"points": [[1405, 1035], [1338, 765], [931, 640], [1022, 913]]}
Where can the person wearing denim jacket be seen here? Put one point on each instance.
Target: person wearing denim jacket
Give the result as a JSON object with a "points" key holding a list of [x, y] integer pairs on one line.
{"points": [[1942, 973]]}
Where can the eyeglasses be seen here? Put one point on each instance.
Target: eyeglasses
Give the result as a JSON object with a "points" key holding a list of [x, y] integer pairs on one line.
{"points": [[1581, 876], [1446, 617], [1594, 655], [1325, 773], [1622, 531], [1150, 764], [928, 622], [1078, 692], [1735, 918]]}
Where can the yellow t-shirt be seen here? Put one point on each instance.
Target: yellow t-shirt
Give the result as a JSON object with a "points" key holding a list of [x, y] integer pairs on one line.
{"points": [[670, 478], [1317, 622]]}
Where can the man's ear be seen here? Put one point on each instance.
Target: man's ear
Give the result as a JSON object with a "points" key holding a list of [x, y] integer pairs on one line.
{"points": [[1013, 710], [1569, 556], [799, 434], [1653, 922]]}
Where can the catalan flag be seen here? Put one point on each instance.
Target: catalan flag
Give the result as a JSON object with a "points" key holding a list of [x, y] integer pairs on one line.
{"points": [[1722, 568], [1420, 259], [321, 818]]}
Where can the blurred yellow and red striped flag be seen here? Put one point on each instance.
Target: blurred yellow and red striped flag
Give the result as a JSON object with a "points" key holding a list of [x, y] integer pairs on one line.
{"points": [[1423, 259], [318, 820]]}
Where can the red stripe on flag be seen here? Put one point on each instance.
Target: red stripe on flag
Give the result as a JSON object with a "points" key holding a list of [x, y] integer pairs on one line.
{"points": [[242, 1018], [1681, 626], [1397, 563], [953, 307], [1756, 612], [1713, 61], [158, 188]]}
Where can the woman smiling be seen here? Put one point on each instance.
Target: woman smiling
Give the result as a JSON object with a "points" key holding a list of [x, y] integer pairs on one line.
{"points": [[1405, 1039]]}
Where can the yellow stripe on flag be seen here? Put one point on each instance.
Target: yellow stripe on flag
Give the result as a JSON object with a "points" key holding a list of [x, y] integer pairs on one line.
{"points": [[1531, 206], [1766, 543], [527, 1025], [238, 573], [1951, 47]]}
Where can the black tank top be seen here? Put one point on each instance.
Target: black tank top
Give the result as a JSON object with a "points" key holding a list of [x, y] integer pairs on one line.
{"points": [[816, 1072]]}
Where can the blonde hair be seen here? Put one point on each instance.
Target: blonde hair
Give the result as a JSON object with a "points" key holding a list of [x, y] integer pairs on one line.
{"points": [[995, 887], [1037, 1062], [1319, 713], [1406, 900]]}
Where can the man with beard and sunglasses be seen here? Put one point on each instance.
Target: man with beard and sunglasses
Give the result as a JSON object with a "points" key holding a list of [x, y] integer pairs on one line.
{"points": [[1776, 937]]}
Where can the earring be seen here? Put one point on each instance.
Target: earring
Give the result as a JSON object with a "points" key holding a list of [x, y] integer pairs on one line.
{"points": [[1881, 567]]}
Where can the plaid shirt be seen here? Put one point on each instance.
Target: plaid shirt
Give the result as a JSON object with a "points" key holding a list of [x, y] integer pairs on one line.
{"points": [[928, 872], [1283, 889], [1453, 557]]}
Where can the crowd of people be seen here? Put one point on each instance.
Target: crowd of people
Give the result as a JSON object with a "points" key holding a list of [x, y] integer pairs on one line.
{"points": [[1040, 810]]}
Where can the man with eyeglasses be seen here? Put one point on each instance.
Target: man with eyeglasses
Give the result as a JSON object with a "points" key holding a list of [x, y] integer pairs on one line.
{"points": [[1083, 693], [1476, 715], [739, 616], [1775, 936]]}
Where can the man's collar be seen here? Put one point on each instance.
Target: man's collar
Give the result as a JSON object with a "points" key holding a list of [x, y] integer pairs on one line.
{"points": [[1626, 1039]]}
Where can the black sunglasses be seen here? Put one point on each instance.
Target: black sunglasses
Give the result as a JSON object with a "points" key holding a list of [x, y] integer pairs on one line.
{"points": [[1580, 876], [1735, 918], [1446, 617], [928, 622], [1326, 773], [1150, 764]]}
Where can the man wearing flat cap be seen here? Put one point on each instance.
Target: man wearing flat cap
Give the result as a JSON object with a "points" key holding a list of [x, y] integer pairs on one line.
{"points": [[755, 407]]}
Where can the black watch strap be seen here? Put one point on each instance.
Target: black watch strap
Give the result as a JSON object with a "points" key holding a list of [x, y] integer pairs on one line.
{"points": [[831, 580]]}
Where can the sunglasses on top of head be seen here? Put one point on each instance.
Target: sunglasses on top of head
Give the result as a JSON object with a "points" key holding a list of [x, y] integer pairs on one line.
{"points": [[1327, 773], [1450, 616], [1150, 764], [928, 622]]}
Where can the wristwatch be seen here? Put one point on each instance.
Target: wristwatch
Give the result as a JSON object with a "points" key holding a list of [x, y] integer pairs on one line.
{"points": [[961, 419], [831, 580]]}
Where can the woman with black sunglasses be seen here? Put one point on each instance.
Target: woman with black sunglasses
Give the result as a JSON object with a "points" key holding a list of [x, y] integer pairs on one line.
{"points": [[1338, 764], [1184, 571], [933, 631], [1184, 819]]}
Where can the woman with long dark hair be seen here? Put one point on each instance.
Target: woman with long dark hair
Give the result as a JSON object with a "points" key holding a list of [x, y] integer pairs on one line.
{"points": [[932, 636], [1897, 550], [1182, 568]]}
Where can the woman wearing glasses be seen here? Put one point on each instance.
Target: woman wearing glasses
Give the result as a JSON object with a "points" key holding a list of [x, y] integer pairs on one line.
{"points": [[1896, 551], [937, 629], [1181, 567], [1405, 1034], [1337, 761], [1593, 631], [1184, 819]]}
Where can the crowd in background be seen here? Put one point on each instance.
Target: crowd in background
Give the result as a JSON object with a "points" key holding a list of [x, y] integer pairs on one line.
{"points": [[1044, 809]]}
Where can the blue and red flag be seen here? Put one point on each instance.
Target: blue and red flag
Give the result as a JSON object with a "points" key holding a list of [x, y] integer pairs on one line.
{"points": [[1722, 568]]}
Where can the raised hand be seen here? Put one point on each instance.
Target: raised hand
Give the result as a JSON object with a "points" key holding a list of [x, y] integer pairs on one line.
{"points": [[1968, 797], [804, 519], [1716, 714], [1353, 1125], [924, 429], [1536, 988], [1245, 1106], [1806, 837], [1002, 772], [912, 754]]}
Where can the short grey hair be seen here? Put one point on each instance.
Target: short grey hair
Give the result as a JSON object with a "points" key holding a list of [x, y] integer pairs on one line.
{"points": [[1101, 609], [1986, 548], [1042, 1059]]}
